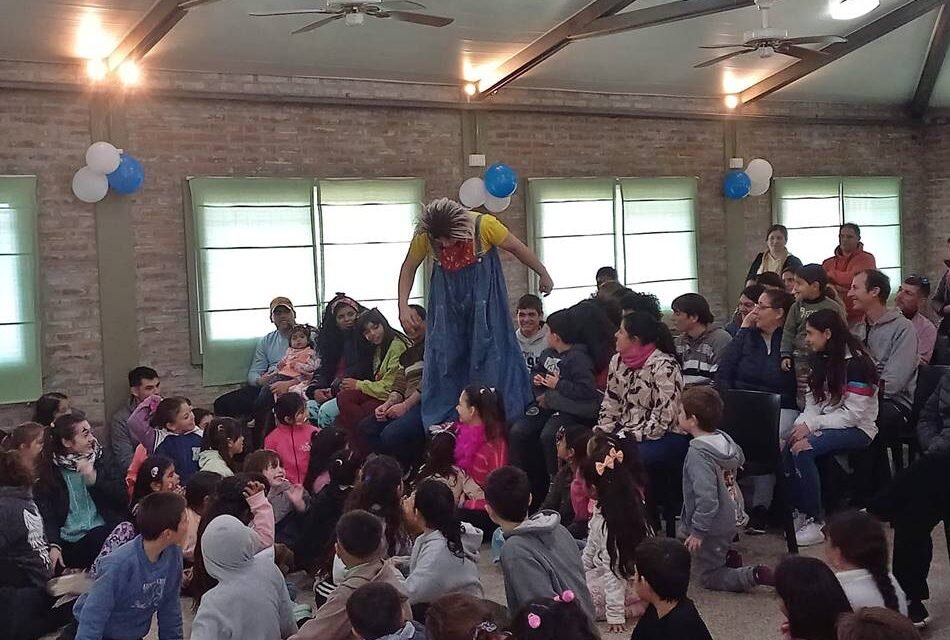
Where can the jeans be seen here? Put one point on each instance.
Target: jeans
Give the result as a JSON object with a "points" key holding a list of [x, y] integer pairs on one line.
{"points": [[328, 413], [914, 503], [403, 438], [237, 404], [355, 406], [670, 448], [802, 470]]}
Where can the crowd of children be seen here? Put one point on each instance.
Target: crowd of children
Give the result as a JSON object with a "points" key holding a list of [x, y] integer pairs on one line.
{"points": [[565, 490]]}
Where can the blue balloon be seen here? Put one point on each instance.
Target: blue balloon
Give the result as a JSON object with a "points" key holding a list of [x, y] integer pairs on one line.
{"points": [[500, 180], [128, 178], [737, 184]]}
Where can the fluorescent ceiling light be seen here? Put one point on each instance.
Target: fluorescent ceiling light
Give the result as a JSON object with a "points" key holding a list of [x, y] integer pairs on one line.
{"points": [[851, 9]]}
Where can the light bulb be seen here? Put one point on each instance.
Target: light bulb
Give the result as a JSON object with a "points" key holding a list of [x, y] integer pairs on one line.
{"points": [[129, 73], [851, 9], [96, 70], [470, 88], [731, 100]]}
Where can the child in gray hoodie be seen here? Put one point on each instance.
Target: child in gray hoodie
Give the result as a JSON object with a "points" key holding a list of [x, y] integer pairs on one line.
{"points": [[540, 558], [710, 514]]}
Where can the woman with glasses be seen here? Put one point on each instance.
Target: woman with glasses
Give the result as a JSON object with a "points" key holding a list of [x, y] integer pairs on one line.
{"points": [[753, 362]]}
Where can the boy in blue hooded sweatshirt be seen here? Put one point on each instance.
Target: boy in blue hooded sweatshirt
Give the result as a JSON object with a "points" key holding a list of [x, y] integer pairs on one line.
{"points": [[140, 578]]}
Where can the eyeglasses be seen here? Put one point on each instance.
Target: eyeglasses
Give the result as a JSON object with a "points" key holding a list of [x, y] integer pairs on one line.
{"points": [[765, 306], [916, 279]]}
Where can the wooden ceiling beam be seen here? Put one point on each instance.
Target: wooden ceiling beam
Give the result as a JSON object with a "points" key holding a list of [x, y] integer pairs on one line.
{"points": [[936, 54], [546, 46], [147, 32], [660, 14], [855, 40]]}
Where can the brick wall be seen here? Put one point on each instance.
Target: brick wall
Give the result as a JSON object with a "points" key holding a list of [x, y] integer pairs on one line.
{"points": [[46, 133], [935, 217]]}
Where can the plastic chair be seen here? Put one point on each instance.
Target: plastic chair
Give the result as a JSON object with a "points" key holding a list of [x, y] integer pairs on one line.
{"points": [[751, 418]]}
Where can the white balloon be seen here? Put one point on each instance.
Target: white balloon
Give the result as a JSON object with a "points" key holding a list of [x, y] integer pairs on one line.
{"points": [[496, 205], [103, 157], [760, 173], [89, 185], [472, 193]]}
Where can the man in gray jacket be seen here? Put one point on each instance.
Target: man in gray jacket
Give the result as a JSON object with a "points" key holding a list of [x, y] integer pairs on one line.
{"points": [[710, 514], [892, 340], [540, 558]]}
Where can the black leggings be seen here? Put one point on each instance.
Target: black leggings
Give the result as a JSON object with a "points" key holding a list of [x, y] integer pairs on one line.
{"points": [[82, 553]]}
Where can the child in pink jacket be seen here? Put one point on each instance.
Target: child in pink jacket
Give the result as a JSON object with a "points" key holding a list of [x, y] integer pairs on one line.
{"points": [[291, 437]]}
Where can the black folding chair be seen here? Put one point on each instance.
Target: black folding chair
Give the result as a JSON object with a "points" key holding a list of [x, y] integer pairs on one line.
{"points": [[751, 418], [928, 379]]}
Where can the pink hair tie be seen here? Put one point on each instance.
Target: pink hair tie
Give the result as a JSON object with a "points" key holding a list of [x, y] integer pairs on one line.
{"points": [[567, 596], [534, 620]]}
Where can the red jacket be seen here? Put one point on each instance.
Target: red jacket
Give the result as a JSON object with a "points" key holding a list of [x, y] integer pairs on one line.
{"points": [[841, 270]]}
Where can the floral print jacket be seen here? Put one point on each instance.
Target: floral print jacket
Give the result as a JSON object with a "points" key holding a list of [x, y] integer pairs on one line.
{"points": [[645, 402]]}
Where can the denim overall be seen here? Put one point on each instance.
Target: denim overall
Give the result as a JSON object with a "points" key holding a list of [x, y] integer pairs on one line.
{"points": [[470, 338]]}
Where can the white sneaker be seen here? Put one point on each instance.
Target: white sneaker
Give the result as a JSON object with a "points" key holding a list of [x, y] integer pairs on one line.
{"points": [[810, 534]]}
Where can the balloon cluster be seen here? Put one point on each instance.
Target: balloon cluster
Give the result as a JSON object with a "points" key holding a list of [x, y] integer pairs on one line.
{"points": [[755, 180], [492, 191], [107, 168]]}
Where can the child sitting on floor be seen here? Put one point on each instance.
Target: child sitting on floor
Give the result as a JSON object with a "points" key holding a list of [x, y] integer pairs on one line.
{"points": [[289, 501], [167, 427], [558, 618], [662, 579], [618, 524], [444, 558], [291, 437], [199, 493], [324, 445], [359, 540], [222, 440], [857, 551], [569, 494], [156, 474], [375, 613], [250, 599], [481, 443], [710, 514], [140, 578], [440, 465]]}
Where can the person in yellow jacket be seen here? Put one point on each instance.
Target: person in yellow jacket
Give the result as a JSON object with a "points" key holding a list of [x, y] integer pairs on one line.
{"points": [[358, 399]]}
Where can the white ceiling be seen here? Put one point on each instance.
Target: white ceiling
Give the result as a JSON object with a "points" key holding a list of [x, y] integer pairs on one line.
{"points": [[658, 60]]}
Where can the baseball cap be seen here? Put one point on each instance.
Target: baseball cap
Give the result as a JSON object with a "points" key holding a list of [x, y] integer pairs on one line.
{"points": [[812, 273], [281, 301]]}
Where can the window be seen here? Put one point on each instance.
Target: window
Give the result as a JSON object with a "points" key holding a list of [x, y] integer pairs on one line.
{"points": [[21, 376], [644, 227], [814, 208], [253, 239]]}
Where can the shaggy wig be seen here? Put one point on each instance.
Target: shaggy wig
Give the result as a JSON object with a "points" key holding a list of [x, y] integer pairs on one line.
{"points": [[446, 219]]}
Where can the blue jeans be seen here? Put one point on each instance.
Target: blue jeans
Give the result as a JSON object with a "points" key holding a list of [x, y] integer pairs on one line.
{"points": [[403, 438], [802, 470], [670, 448]]}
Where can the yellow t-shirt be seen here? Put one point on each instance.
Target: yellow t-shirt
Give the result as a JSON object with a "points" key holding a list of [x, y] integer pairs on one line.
{"points": [[491, 230]]}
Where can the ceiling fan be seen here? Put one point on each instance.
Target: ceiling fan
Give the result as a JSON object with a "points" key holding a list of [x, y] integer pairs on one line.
{"points": [[769, 41], [353, 13]]}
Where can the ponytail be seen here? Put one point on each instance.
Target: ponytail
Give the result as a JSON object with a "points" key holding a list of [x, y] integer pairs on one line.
{"points": [[860, 538], [436, 503]]}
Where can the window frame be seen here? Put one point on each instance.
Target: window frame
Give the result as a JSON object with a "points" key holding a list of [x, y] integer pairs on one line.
{"points": [[776, 201], [193, 264], [620, 232], [30, 372]]}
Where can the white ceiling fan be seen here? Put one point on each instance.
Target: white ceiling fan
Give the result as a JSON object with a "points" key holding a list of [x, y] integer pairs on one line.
{"points": [[353, 13], [769, 41]]}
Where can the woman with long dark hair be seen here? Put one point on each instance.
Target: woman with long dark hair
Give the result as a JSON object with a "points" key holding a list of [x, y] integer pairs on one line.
{"points": [[395, 428], [50, 406], [644, 386], [811, 597], [359, 398], [340, 351], [840, 412], [78, 494]]}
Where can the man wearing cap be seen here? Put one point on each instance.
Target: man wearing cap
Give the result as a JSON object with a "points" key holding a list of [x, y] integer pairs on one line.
{"points": [[270, 349]]}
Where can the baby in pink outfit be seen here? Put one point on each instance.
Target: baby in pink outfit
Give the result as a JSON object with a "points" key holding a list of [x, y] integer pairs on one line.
{"points": [[300, 360]]}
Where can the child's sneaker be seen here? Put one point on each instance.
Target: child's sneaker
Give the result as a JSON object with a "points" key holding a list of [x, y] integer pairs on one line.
{"points": [[758, 521], [810, 534], [764, 575], [918, 613]]}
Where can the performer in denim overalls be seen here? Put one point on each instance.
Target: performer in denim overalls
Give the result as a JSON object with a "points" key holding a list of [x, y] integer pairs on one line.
{"points": [[470, 338]]}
